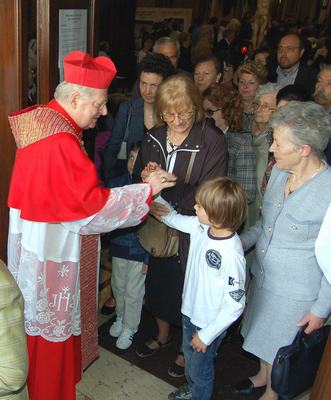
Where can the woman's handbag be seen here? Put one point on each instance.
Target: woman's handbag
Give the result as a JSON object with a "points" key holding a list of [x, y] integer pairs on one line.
{"points": [[157, 238], [295, 366]]}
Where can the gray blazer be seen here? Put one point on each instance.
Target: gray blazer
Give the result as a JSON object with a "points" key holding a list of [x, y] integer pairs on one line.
{"points": [[285, 236]]}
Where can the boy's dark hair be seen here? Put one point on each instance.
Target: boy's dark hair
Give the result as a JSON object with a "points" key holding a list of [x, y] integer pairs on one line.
{"points": [[224, 201], [156, 64], [293, 92]]}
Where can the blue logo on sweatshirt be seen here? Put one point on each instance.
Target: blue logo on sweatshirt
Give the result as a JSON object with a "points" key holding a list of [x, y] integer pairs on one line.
{"points": [[237, 294], [214, 259], [232, 281]]}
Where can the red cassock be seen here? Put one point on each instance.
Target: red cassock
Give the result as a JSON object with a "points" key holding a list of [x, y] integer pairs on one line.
{"points": [[57, 209]]}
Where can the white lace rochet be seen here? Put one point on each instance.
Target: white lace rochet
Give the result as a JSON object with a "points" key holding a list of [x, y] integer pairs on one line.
{"points": [[44, 259]]}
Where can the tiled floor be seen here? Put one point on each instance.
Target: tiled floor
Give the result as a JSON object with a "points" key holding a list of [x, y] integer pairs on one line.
{"points": [[112, 378]]}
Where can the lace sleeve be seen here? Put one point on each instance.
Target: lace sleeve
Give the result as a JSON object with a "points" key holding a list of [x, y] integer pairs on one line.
{"points": [[126, 206]]}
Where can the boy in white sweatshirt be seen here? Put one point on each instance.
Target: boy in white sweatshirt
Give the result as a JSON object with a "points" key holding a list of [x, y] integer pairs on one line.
{"points": [[214, 286]]}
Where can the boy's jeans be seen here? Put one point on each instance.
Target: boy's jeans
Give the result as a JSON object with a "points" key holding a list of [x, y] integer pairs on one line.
{"points": [[199, 367]]}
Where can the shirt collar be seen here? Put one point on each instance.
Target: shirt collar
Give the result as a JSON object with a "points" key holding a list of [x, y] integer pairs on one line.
{"points": [[287, 71]]}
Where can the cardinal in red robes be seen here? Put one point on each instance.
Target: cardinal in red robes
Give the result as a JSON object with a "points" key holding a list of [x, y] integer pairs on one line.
{"points": [[57, 210]]}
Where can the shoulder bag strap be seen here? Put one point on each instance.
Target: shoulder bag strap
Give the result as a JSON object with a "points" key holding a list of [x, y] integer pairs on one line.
{"points": [[192, 158], [189, 168], [126, 133]]}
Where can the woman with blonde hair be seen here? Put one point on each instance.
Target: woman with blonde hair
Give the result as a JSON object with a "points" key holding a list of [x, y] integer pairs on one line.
{"points": [[183, 142], [248, 77]]}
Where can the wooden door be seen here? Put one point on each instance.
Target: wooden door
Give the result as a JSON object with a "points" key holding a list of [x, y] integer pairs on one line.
{"points": [[322, 385], [13, 84], [14, 24]]}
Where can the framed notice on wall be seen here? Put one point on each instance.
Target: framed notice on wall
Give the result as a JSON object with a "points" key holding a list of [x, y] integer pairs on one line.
{"points": [[62, 26], [72, 33]]}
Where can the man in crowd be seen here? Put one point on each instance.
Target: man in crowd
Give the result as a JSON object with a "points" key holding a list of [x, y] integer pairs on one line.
{"points": [[57, 208], [322, 96], [168, 47], [291, 68], [225, 44]]}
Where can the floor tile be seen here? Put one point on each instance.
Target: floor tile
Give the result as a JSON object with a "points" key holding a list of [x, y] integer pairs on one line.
{"points": [[113, 378]]}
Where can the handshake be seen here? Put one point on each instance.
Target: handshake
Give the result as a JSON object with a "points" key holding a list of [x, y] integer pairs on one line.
{"points": [[157, 177]]}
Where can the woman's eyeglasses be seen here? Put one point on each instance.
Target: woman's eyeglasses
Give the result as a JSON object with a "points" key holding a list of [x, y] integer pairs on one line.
{"points": [[209, 112], [183, 116], [263, 107]]}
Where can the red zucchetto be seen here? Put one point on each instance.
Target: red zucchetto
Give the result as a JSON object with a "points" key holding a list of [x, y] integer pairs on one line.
{"points": [[81, 69]]}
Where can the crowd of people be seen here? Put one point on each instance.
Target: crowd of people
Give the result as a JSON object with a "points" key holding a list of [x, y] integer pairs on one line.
{"points": [[237, 107], [240, 92], [226, 143]]}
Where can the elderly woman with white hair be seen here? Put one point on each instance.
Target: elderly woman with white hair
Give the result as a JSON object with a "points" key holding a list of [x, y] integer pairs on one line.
{"points": [[288, 289], [265, 105]]}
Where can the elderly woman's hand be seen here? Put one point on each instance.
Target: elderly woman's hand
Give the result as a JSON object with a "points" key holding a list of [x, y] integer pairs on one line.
{"points": [[160, 179], [314, 322]]}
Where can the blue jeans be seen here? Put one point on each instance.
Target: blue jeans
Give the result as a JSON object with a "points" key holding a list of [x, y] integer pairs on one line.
{"points": [[199, 367]]}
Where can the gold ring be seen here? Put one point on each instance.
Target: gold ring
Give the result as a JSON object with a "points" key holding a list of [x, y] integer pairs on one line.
{"points": [[163, 180]]}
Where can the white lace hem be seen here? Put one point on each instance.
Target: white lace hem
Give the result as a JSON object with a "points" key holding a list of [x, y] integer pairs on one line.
{"points": [[45, 260]]}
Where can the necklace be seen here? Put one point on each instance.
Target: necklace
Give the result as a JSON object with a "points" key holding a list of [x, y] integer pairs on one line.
{"points": [[176, 139], [173, 139], [292, 189], [170, 146]]}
